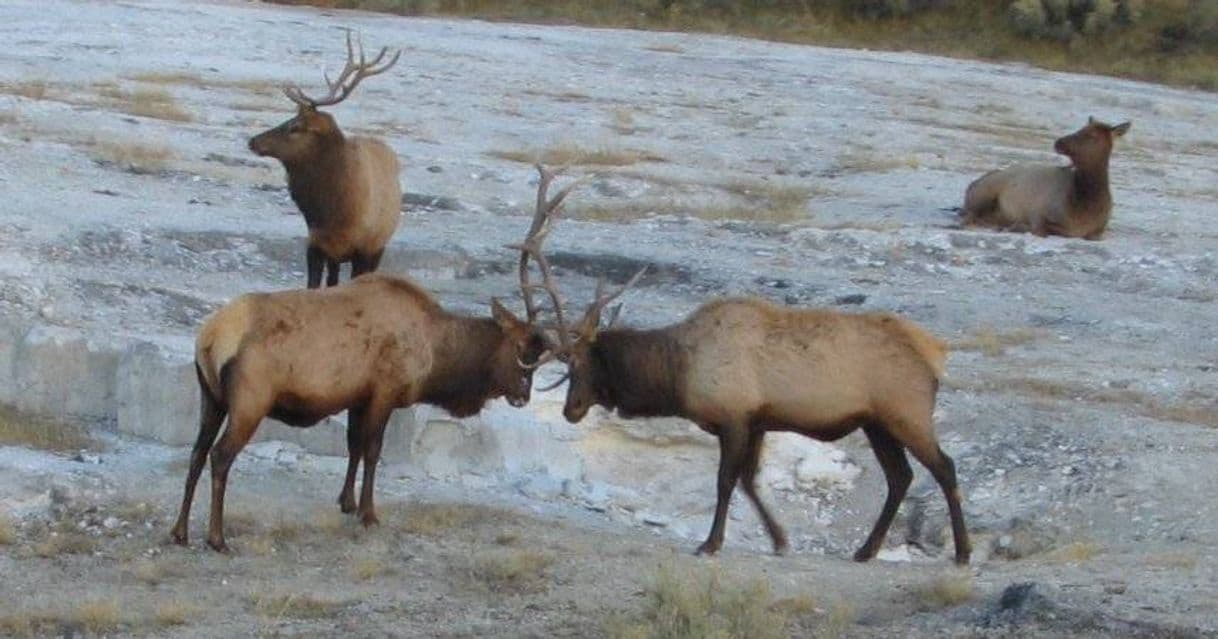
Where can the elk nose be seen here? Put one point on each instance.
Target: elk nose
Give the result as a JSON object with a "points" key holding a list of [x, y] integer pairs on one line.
{"points": [[255, 146]]}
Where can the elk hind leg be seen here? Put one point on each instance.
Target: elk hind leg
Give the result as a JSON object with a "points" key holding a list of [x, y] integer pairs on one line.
{"points": [[243, 420], [891, 455], [926, 450], [211, 416]]}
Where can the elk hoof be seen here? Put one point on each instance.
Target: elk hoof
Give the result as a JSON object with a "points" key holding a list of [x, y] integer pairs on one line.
{"points": [[962, 559], [369, 520], [864, 554], [706, 548], [780, 550], [178, 537], [346, 504], [219, 546]]}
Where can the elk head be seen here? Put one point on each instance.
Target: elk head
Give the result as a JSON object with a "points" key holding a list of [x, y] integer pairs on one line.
{"points": [[517, 357], [312, 131], [1092, 142], [574, 347]]}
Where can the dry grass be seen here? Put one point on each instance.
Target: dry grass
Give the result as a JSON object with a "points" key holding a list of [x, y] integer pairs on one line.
{"points": [[1074, 553], [573, 155], [367, 568], [434, 520], [1172, 560], [870, 161], [30, 89], [274, 606], [664, 48], [8, 530], [134, 157], [1142, 403], [157, 571], [154, 103], [64, 543], [174, 612], [622, 120], [510, 572], [697, 604], [9, 118], [994, 343], [98, 615], [18, 428], [191, 79], [945, 591]]}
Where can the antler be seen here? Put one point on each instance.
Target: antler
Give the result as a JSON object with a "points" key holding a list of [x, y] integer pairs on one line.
{"points": [[602, 300], [353, 72], [544, 217]]}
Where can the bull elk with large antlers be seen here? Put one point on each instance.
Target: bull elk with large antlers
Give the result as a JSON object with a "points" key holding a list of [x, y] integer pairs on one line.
{"points": [[346, 187], [739, 368], [1073, 201], [369, 347]]}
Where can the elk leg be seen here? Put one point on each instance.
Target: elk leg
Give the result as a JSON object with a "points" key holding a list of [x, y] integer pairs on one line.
{"points": [[374, 261], [375, 419], [943, 470], [211, 416], [365, 264], [331, 273], [748, 479], [241, 426], [314, 263], [355, 450], [891, 455], [731, 457]]}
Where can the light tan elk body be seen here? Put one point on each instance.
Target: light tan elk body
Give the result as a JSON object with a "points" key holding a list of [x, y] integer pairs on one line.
{"points": [[1073, 201], [346, 187], [740, 368], [376, 344]]}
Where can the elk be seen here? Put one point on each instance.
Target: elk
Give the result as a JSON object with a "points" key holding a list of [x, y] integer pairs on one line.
{"points": [[1073, 201], [739, 368], [346, 187], [379, 343]]}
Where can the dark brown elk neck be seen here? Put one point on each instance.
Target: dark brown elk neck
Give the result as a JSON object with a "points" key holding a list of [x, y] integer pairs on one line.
{"points": [[461, 380], [1091, 182], [639, 373], [314, 182]]}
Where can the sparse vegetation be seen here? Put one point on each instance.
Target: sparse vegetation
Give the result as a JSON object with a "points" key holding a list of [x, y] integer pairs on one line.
{"points": [[64, 543], [431, 520], [98, 615], [8, 530], [1074, 552], [31, 89], [367, 568], [992, 342], [274, 606], [18, 428], [696, 604], [510, 572], [149, 103], [134, 157], [944, 591], [573, 155], [1171, 41], [174, 612]]}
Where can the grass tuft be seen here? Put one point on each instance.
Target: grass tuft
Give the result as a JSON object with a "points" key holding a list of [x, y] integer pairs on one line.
{"points": [[693, 604], [994, 343], [510, 572], [31, 89], [945, 591], [133, 157], [275, 606], [18, 428], [8, 530], [174, 612], [572, 155]]}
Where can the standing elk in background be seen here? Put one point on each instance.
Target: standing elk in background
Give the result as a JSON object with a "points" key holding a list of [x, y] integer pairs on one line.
{"points": [[346, 187], [1074, 201], [739, 368], [380, 343]]}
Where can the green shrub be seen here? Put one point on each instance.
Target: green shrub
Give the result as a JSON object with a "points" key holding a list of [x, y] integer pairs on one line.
{"points": [[1066, 19]]}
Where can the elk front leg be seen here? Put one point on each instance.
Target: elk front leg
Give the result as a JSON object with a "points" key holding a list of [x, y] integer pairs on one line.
{"points": [[332, 268], [748, 479], [375, 419], [355, 451], [731, 457], [891, 455]]}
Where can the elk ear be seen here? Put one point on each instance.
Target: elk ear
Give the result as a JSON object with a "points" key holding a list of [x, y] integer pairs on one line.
{"points": [[1091, 120], [503, 317], [1120, 129]]}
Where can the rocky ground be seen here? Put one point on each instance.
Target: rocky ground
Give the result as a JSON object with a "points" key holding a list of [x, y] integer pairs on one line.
{"points": [[1080, 407]]}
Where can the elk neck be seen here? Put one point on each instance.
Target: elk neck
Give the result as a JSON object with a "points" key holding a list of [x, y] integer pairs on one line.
{"points": [[1091, 183], [461, 379], [316, 181], [639, 372]]}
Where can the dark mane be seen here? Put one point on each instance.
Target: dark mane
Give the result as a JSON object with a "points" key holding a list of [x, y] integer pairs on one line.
{"points": [[638, 372]]}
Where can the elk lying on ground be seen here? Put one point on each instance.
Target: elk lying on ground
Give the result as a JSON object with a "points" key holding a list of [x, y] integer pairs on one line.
{"points": [[1074, 201], [346, 187], [739, 368], [376, 344]]}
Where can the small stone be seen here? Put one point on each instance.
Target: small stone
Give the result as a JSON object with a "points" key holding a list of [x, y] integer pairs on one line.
{"points": [[435, 168], [110, 523], [853, 299]]}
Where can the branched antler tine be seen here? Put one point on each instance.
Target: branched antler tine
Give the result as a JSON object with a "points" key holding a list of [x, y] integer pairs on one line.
{"points": [[546, 389], [354, 71], [602, 300], [613, 313]]}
